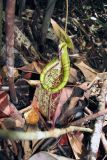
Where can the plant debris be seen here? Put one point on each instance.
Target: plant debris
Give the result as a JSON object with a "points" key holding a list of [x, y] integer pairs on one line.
{"points": [[53, 80]]}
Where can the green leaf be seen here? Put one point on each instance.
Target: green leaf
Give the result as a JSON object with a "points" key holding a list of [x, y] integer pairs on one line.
{"points": [[62, 35]]}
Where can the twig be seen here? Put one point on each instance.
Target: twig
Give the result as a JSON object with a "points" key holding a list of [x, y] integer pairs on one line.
{"points": [[93, 82], [25, 109], [87, 110], [96, 137], [10, 14], [89, 118], [39, 134]]}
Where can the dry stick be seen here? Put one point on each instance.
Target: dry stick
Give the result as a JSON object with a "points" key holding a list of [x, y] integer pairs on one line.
{"points": [[10, 14], [53, 133], [96, 137], [25, 109], [89, 118], [37, 135]]}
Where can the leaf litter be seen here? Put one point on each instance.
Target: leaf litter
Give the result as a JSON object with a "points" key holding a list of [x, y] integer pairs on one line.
{"points": [[63, 125]]}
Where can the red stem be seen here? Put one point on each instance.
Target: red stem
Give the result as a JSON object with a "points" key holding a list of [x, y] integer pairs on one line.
{"points": [[10, 15]]}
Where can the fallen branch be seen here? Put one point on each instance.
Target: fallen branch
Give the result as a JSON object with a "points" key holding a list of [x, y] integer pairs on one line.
{"points": [[37, 135], [96, 137]]}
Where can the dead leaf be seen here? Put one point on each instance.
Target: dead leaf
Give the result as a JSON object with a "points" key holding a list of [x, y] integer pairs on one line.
{"points": [[7, 109], [21, 39], [35, 103], [76, 145], [16, 115], [73, 76], [34, 67], [88, 72], [27, 75], [4, 105], [63, 140], [33, 82], [65, 94], [5, 75]]}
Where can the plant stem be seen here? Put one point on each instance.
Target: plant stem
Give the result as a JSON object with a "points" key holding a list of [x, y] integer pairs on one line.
{"points": [[66, 20], [10, 14], [1, 10], [46, 21]]}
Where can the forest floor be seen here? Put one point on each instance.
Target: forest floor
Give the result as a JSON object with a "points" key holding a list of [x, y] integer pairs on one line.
{"points": [[70, 123]]}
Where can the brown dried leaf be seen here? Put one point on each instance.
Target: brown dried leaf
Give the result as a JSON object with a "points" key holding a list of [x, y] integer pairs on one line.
{"points": [[73, 75], [35, 104], [15, 114], [7, 109], [88, 72], [27, 75], [34, 67], [4, 105], [4, 72], [76, 145], [65, 94], [33, 82]]}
